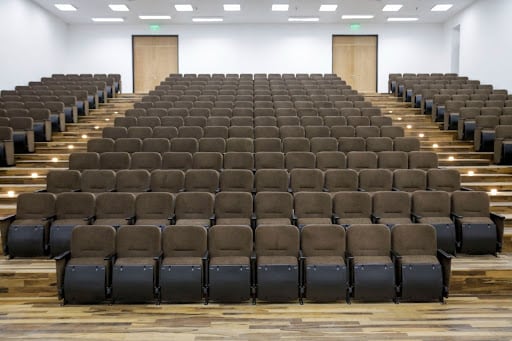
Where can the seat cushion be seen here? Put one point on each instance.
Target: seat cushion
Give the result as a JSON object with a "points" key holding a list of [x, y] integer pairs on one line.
{"points": [[233, 221], [182, 261], [135, 261], [111, 222], [231, 260], [324, 260], [28, 222], [156, 222], [476, 220], [307, 221], [435, 220], [420, 259], [86, 261], [350, 221], [277, 260], [199, 222], [274, 221], [396, 221], [68, 222], [366, 260]]}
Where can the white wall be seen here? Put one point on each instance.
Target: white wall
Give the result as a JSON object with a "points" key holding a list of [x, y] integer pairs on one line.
{"points": [[485, 31], [33, 43], [254, 48]]}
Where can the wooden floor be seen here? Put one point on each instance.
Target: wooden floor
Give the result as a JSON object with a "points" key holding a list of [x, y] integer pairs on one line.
{"points": [[462, 318]]}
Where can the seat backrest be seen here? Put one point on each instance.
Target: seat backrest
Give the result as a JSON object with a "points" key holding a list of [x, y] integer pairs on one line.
{"points": [[236, 180], [75, 205], [98, 180], [277, 240], [238, 160], [323, 240], [154, 205], [443, 179], [184, 144], [410, 180], [313, 205], [158, 145], [423, 160], [300, 160], [114, 132], [146, 160], [62, 181], [406, 144], [391, 204], [361, 160], [338, 180], [177, 160], [379, 144], [140, 132], [128, 145], [132, 180], [470, 203], [393, 160], [307, 180], [207, 160], [93, 241], [184, 241], [431, 203], [273, 205], [295, 144], [230, 241], [201, 180], [101, 145], [194, 205], [368, 240], [167, 180], [239, 144], [138, 241], [374, 180], [323, 144], [273, 180], [414, 240], [233, 205], [352, 204], [164, 132], [267, 144], [35, 205], [115, 205]]}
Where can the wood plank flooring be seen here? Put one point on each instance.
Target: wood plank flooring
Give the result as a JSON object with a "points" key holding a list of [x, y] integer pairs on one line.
{"points": [[467, 318]]}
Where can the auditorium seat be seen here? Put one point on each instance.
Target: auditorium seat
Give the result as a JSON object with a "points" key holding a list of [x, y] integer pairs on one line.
{"points": [[6, 146], [58, 181], [184, 250], [236, 180], [134, 274], [434, 208], [154, 208], [115, 160], [98, 181], [277, 257], [326, 274], [84, 272], [423, 271], [194, 208], [409, 180], [372, 269], [71, 209], [233, 208], [167, 180], [273, 180], [375, 180], [352, 208], [313, 208], [391, 208], [114, 209], [230, 275]]}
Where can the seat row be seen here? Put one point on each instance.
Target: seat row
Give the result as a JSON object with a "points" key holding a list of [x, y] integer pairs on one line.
{"points": [[243, 121], [255, 76], [164, 93], [112, 79], [422, 95], [253, 161], [57, 104], [19, 131], [243, 180], [322, 263], [44, 221], [238, 113], [59, 116]]}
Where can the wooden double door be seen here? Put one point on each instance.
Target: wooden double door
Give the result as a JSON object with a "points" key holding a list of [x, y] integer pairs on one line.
{"points": [[154, 58], [354, 59]]}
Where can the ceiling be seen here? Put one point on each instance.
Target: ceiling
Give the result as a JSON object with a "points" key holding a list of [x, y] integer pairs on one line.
{"points": [[252, 11]]}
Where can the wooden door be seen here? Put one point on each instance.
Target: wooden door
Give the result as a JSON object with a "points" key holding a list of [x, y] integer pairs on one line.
{"points": [[154, 58], [354, 59]]}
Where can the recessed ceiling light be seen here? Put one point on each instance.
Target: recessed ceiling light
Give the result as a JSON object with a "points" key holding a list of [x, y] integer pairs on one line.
{"points": [[107, 19], [303, 19], [392, 8], [65, 7], [280, 7], [154, 17], [403, 19], [231, 7], [119, 8], [356, 16], [207, 19], [328, 8], [184, 8], [441, 7]]}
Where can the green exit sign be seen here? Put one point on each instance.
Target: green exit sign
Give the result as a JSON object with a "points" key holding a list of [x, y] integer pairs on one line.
{"points": [[154, 28], [355, 27]]}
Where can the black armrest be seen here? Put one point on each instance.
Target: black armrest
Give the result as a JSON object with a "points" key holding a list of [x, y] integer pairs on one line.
{"points": [[41, 191], [456, 216], [325, 189], [290, 190], [9, 218], [172, 219], [253, 221], [213, 220], [466, 189], [294, 218], [334, 218], [159, 257], [130, 220], [415, 217], [395, 256], [374, 218], [65, 255], [50, 218], [359, 189]]}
